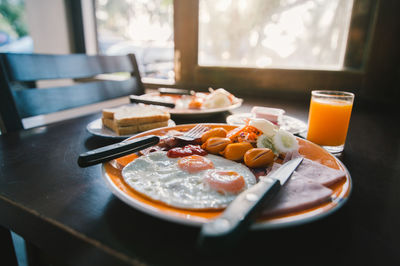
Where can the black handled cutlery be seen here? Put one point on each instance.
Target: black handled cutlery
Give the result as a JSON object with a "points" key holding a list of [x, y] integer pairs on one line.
{"points": [[138, 99], [175, 91], [117, 150]]}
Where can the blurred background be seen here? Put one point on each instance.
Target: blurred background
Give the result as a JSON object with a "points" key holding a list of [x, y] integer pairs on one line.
{"points": [[265, 46]]}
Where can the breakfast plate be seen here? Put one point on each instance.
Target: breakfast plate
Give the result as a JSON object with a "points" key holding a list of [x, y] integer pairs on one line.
{"points": [[181, 102], [96, 128], [112, 174], [289, 123]]}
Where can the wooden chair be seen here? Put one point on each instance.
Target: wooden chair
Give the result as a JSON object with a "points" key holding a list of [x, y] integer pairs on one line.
{"points": [[16, 104]]}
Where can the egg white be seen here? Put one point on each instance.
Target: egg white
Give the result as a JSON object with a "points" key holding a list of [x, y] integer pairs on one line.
{"points": [[159, 177]]}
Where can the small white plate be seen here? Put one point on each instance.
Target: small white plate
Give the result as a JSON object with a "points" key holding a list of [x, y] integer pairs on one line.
{"points": [[96, 128], [289, 123]]}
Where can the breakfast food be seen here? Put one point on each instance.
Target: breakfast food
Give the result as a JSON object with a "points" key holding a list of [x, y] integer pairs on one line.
{"points": [[298, 194], [309, 186], [196, 101], [130, 119], [265, 127], [319, 173], [191, 182], [259, 157], [278, 140], [273, 115], [187, 175], [236, 151], [214, 132], [216, 145], [218, 98]]}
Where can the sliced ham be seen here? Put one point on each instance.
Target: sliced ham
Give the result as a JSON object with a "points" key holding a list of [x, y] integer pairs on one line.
{"points": [[317, 172], [308, 187], [320, 173], [298, 194]]}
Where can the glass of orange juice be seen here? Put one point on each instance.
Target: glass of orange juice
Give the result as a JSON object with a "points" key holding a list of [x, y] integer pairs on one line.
{"points": [[328, 118]]}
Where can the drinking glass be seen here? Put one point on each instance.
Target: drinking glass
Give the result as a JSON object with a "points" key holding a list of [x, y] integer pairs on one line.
{"points": [[329, 117]]}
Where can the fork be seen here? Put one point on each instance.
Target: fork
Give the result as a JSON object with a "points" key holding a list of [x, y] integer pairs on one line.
{"points": [[123, 148], [193, 133]]}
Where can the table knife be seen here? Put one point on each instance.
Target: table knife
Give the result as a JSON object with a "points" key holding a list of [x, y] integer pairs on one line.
{"points": [[117, 150], [138, 99], [224, 231], [175, 91]]}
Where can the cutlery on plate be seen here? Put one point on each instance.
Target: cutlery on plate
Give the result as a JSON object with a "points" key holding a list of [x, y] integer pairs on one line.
{"points": [[175, 91], [116, 150], [127, 147], [138, 99], [224, 231]]}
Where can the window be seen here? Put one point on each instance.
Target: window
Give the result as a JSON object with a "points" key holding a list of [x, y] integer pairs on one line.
{"points": [[240, 44], [142, 27], [274, 34], [193, 69], [14, 36]]}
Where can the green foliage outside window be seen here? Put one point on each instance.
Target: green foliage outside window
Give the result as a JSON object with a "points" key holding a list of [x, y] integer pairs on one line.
{"points": [[12, 18]]}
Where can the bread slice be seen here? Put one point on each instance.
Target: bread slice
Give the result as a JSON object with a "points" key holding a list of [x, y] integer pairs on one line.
{"points": [[128, 130], [109, 113], [130, 115]]}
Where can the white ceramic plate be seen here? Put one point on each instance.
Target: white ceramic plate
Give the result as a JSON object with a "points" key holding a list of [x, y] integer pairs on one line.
{"points": [[96, 128], [289, 123]]}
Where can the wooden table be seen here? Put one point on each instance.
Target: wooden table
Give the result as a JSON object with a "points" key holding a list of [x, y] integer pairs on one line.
{"points": [[70, 214]]}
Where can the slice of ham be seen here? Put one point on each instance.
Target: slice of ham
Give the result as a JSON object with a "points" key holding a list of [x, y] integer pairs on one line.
{"points": [[308, 187], [320, 173], [298, 194]]}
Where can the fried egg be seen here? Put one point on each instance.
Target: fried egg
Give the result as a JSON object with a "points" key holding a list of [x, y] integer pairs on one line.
{"points": [[192, 182]]}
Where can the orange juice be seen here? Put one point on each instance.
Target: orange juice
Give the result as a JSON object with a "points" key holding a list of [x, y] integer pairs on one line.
{"points": [[328, 121]]}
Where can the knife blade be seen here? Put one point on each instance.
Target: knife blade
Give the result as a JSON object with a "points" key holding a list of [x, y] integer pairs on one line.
{"points": [[138, 99], [116, 150], [175, 91], [226, 230]]}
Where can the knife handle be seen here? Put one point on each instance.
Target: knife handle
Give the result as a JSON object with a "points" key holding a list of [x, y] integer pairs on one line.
{"points": [[225, 230], [117, 150], [138, 99]]}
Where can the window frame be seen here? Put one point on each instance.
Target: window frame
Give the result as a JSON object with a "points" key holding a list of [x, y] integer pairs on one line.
{"points": [[374, 76], [189, 74]]}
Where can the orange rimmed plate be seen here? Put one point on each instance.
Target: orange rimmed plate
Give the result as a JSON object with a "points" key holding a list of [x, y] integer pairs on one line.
{"points": [[114, 180]]}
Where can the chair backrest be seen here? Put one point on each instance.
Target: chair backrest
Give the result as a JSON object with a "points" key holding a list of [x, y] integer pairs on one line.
{"points": [[16, 104]]}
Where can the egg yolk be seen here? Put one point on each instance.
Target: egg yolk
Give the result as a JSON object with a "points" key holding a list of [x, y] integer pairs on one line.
{"points": [[225, 181], [195, 163]]}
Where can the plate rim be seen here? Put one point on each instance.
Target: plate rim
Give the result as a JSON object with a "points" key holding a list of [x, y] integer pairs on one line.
{"points": [[199, 221]]}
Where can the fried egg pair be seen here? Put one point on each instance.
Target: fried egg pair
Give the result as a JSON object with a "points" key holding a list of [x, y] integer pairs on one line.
{"points": [[192, 182]]}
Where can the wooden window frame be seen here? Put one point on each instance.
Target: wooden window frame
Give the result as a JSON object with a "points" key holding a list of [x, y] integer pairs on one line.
{"points": [[371, 61], [188, 74]]}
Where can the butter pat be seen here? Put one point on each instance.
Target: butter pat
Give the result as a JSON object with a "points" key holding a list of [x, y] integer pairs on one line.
{"points": [[273, 115]]}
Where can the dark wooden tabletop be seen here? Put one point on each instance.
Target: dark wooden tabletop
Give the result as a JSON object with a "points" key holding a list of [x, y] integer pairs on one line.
{"points": [[70, 214]]}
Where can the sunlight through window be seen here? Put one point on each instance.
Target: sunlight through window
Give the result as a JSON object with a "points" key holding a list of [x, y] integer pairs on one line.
{"points": [[142, 27], [275, 34]]}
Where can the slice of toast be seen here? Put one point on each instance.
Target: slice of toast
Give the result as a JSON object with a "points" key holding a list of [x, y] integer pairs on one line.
{"points": [[128, 130], [130, 115]]}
